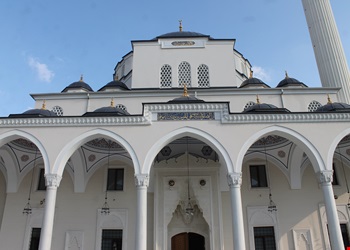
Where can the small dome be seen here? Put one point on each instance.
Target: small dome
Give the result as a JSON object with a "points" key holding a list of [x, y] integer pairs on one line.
{"points": [[115, 84], [79, 85], [253, 82], [39, 112], [264, 108], [108, 111], [181, 34], [43, 112], [290, 82], [334, 107]]}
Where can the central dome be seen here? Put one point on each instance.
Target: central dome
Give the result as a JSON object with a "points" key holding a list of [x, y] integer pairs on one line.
{"points": [[181, 34]]}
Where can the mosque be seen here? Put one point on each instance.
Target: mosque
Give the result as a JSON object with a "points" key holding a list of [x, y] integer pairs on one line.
{"points": [[184, 150]]}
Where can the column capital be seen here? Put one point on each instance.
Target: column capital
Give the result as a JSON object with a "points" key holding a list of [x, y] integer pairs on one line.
{"points": [[141, 180], [234, 179], [325, 176], [52, 180]]}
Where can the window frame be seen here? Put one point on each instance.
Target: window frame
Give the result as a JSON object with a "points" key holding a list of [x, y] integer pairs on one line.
{"points": [[30, 247], [119, 231], [259, 186], [106, 188], [41, 183], [265, 236]]}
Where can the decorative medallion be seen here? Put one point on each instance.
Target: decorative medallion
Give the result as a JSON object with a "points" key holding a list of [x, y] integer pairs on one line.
{"points": [[281, 154], [24, 158], [186, 116], [206, 150], [166, 151], [92, 158]]}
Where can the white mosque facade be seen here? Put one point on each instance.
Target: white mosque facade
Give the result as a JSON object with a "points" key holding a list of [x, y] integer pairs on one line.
{"points": [[184, 149]]}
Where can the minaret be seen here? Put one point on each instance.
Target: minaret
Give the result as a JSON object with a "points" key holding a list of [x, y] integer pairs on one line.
{"points": [[330, 57]]}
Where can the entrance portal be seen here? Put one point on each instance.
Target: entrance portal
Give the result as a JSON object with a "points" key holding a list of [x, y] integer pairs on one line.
{"points": [[187, 241]]}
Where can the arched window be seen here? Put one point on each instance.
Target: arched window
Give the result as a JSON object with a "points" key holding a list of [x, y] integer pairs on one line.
{"points": [[184, 74], [313, 106], [203, 76], [165, 76]]}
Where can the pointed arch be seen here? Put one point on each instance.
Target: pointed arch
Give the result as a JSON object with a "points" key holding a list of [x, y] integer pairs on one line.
{"points": [[186, 131], [289, 134], [11, 175], [73, 145], [334, 146]]}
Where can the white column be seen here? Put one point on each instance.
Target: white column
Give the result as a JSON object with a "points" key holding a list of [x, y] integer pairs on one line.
{"points": [[325, 180], [141, 182], [235, 182], [329, 52], [52, 183]]}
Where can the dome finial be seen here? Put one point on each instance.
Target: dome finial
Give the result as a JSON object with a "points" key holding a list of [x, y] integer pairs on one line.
{"points": [[185, 91], [44, 105], [251, 74], [115, 78], [329, 101], [286, 74], [112, 102], [180, 25], [81, 78], [257, 99]]}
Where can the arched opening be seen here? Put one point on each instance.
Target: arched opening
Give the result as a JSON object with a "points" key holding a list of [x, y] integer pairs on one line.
{"points": [[187, 241], [186, 178]]}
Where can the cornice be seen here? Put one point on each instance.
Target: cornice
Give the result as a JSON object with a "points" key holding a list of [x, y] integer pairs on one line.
{"points": [[74, 121], [179, 111]]}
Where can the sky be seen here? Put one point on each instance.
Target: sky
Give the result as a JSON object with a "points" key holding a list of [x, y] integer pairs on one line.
{"points": [[46, 45]]}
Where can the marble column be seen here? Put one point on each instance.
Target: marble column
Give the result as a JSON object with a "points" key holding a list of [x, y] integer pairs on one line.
{"points": [[235, 182], [52, 183], [141, 182], [325, 179], [330, 57]]}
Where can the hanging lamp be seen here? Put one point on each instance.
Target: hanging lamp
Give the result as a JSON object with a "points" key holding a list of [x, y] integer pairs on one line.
{"points": [[189, 208], [105, 206], [27, 210], [272, 206]]}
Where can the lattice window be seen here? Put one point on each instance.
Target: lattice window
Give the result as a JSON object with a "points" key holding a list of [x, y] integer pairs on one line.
{"points": [[313, 106], [57, 110], [203, 76], [165, 76], [249, 104], [121, 106], [184, 74]]}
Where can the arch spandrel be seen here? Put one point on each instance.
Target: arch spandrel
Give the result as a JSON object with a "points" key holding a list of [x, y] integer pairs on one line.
{"points": [[301, 141], [191, 132], [74, 144]]}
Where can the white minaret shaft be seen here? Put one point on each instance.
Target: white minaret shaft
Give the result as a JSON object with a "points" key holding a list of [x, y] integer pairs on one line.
{"points": [[329, 52]]}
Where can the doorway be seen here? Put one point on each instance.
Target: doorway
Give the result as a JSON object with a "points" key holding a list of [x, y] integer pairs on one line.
{"points": [[187, 241]]}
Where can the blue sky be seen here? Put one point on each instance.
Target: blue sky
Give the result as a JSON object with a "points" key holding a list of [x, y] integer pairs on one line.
{"points": [[46, 45]]}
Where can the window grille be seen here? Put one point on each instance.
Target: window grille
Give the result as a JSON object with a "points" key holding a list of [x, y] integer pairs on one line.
{"points": [[112, 239], [121, 106], [165, 76], [203, 76], [184, 74], [57, 110], [313, 106], [249, 104], [264, 238]]}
